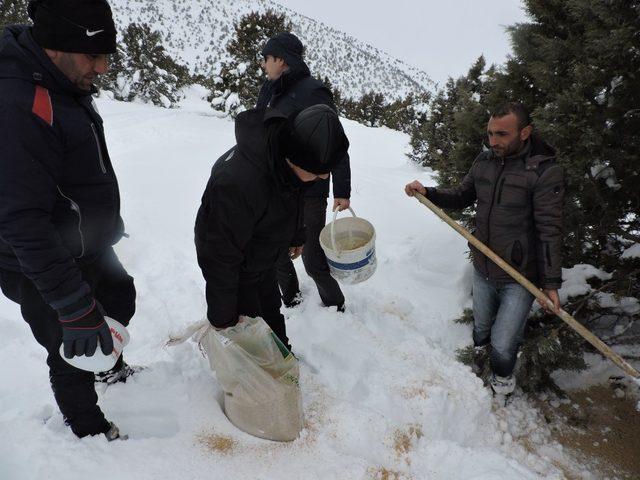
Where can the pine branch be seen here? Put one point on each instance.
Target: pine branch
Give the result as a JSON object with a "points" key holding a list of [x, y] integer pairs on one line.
{"points": [[628, 236], [585, 300]]}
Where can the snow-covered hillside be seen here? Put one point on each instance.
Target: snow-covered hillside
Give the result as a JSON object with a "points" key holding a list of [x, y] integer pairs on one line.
{"points": [[383, 395], [197, 32]]}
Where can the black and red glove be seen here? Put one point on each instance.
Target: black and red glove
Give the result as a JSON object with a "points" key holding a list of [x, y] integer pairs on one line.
{"points": [[82, 329]]}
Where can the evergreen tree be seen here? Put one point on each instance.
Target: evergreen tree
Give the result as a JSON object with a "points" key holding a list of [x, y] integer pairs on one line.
{"points": [[577, 62], [338, 98], [13, 12], [453, 133], [349, 109], [115, 79], [576, 65], [141, 69], [238, 84], [369, 109], [406, 114]]}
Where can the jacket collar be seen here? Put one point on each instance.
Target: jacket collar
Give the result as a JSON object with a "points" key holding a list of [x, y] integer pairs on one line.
{"points": [[539, 152], [22, 58], [289, 78]]}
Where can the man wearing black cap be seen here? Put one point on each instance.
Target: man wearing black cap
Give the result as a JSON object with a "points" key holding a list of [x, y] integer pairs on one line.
{"points": [[59, 198], [290, 88], [251, 206]]}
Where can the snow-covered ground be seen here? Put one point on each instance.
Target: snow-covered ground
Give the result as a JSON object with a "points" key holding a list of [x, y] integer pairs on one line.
{"points": [[383, 394]]}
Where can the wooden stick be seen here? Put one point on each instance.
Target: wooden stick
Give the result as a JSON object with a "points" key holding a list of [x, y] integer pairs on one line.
{"points": [[535, 291]]}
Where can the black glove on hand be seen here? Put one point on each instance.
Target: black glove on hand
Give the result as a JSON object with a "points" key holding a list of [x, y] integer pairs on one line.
{"points": [[80, 333]]}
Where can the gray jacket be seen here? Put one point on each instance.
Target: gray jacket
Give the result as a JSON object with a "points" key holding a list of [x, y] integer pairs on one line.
{"points": [[518, 213]]}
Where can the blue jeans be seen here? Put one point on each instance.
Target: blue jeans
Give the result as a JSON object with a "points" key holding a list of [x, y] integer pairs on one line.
{"points": [[500, 312]]}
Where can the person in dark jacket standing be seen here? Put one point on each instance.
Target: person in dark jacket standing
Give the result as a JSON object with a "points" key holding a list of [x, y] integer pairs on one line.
{"points": [[59, 198], [250, 209], [290, 88], [519, 190]]}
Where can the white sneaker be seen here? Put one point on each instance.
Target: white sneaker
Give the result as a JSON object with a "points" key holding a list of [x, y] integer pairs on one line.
{"points": [[503, 385]]}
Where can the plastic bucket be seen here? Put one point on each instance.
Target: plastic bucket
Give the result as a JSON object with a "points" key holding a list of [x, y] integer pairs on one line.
{"points": [[99, 362], [349, 244]]}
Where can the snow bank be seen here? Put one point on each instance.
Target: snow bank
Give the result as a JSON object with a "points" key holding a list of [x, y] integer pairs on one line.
{"points": [[574, 280], [381, 389], [632, 252]]}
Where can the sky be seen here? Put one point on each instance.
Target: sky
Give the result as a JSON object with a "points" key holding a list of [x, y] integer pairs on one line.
{"points": [[443, 38]]}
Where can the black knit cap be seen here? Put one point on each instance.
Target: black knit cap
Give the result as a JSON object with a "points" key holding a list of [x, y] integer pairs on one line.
{"points": [[75, 26], [316, 141], [286, 46]]}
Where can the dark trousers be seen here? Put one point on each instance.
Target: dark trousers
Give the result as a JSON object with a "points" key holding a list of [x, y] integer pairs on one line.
{"points": [[287, 278], [313, 257], [258, 296], [73, 388]]}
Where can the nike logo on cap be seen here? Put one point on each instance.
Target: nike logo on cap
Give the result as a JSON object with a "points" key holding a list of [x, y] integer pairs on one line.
{"points": [[91, 34]]}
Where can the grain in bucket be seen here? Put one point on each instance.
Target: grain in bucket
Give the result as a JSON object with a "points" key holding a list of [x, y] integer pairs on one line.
{"points": [[349, 244]]}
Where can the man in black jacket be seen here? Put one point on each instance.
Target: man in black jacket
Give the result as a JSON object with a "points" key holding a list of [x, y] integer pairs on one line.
{"points": [[290, 88], [250, 209], [519, 190], [59, 198]]}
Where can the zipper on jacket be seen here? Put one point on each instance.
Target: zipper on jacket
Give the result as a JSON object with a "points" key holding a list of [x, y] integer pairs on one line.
{"points": [[76, 208], [500, 190], [493, 193], [101, 159]]}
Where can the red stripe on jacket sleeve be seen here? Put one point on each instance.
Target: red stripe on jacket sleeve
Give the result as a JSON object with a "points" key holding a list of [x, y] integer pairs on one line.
{"points": [[42, 105]]}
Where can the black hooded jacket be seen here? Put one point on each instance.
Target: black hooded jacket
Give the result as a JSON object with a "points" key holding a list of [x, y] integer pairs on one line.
{"points": [[250, 211], [518, 214], [59, 198], [294, 91]]}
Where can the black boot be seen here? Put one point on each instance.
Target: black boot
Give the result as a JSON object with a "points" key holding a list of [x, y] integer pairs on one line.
{"points": [[293, 302], [114, 433], [119, 373]]}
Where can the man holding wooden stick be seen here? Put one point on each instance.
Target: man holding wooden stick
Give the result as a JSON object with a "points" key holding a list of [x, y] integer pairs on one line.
{"points": [[519, 190]]}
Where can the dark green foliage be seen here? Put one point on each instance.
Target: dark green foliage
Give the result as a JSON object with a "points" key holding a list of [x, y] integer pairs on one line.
{"points": [[13, 12], [368, 110], [373, 110], [576, 65], [238, 84], [550, 345], [582, 58], [406, 114], [142, 69], [156, 76], [114, 80], [338, 97], [453, 134], [466, 318], [466, 355]]}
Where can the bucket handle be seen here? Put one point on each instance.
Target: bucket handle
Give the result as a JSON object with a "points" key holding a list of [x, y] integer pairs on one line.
{"points": [[333, 228]]}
